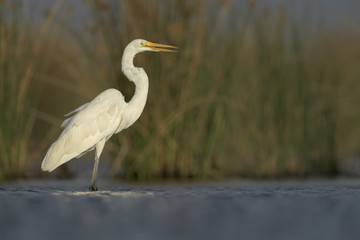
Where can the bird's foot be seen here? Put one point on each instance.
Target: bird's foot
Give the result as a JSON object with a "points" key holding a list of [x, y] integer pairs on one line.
{"points": [[93, 188]]}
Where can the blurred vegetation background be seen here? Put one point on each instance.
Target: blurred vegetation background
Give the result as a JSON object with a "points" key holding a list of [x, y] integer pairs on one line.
{"points": [[253, 91]]}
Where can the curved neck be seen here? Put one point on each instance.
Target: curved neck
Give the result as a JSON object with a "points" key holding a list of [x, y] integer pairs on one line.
{"points": [[140, 79]]}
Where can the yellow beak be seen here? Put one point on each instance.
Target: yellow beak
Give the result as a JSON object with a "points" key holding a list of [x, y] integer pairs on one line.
{"points": [[160, 47]]}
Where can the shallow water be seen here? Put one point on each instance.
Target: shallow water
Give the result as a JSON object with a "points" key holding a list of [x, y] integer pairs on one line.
{"points": [[236, 210]]}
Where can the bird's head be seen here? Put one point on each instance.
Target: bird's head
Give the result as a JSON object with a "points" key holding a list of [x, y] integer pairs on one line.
{"points": [[141, 45], [138, 46]]}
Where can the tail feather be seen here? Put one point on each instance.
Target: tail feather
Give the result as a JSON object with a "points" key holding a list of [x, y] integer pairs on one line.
{"points": [[51, 159], [61, 152], [55, 156]]}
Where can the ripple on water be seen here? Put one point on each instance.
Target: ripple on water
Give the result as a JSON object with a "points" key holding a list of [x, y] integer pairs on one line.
{"points": [[104, 193]]}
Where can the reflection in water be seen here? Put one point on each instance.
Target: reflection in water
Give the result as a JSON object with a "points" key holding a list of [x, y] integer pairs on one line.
{"points": [[104, 193]]}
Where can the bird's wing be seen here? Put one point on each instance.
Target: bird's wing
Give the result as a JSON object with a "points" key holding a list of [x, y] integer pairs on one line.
{"points": [[66, 121], [77, 110], [98, 120]]}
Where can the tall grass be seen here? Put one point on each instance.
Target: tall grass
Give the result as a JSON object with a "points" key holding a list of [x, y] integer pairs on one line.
{"points": [[21, 59], [252, 95], [285, 106], [251, 92]]}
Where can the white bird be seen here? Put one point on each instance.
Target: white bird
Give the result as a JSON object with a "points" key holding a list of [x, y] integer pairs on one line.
{"points": [[95, 122]]}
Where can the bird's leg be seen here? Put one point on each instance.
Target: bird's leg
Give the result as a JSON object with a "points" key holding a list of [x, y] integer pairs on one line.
{"points": [[94, 175], [98, 149]]}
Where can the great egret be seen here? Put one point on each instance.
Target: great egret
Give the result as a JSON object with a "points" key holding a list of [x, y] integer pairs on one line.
{"points": [[95, 122]]}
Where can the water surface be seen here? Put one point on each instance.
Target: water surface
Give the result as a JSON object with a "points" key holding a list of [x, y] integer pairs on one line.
{"points": [[236, 210]]}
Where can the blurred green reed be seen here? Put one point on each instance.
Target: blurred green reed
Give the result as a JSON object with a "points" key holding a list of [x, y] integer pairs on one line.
{"points": [[21, 61], [250, 92]]}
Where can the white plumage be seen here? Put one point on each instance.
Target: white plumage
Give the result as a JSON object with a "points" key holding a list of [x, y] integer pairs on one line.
{"points": [[93, 123], [90, 124]]}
